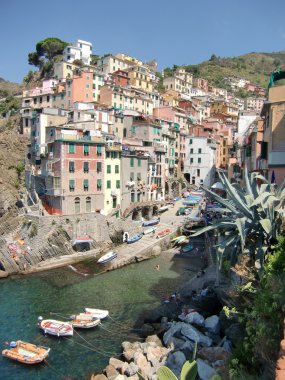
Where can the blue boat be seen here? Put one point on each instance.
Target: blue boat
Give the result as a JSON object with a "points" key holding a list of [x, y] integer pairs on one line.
{"points": [[190, 203], [187, 248], [134, 238], [151, 222]]}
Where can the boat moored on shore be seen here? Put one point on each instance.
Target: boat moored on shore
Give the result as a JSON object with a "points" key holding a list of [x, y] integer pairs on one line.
{"points": [[107, 257], [56, 328], [84, 321]]}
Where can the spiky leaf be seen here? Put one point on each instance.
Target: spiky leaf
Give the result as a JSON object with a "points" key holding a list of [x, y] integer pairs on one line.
{"points": [[164, 373], [189, 371], [267, 225]]}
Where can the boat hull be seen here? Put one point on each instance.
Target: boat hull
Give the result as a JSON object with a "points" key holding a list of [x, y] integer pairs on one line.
{"points": [[107, 258], [149, 230], [26, 353], [96, 313], [150, 223], [134, 239], [56, 328]]}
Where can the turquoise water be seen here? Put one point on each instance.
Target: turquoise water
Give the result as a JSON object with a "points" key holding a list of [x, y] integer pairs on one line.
{"points": [[127, 293]]}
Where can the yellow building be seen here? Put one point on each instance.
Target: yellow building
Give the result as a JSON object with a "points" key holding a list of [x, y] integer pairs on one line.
{"points": [[112, 177], [140, 78], [63, 70]]}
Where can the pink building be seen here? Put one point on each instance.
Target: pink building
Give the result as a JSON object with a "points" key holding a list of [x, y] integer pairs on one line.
{"points": [[79, 89]]}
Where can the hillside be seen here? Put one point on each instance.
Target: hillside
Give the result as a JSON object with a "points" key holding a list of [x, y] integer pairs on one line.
{"points": [[255, 67], [9, 88]]}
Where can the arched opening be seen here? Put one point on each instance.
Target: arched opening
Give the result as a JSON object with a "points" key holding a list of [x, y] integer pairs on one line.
{"points": [[88, 204], [155, 210], [77, 205], [166, 189], [146, 212], [136, 215], [125, 132]]}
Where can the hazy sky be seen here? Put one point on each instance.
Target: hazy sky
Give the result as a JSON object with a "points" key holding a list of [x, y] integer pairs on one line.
{"points": [[172, 32]]}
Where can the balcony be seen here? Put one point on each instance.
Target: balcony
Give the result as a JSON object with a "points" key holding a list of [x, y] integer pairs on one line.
{"points": [[160, 148]]}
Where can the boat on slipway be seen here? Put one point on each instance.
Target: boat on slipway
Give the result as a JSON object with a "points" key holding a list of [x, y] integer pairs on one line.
{"points": [[134, 238], [107, 257], [96, 313], [152, 222], [149, 230], [56, 328], [163, 233], [84, 321], [163, 208], [26, 353]]}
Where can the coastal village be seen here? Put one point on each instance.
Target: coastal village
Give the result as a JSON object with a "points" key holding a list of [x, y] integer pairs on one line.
{"points": [[123, 163]]}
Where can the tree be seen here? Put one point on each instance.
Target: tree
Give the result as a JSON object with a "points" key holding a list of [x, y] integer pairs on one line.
{"points": [[46, 50]]}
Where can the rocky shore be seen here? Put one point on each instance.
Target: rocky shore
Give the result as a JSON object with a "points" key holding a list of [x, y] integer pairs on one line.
{"points": [[173, 329]]}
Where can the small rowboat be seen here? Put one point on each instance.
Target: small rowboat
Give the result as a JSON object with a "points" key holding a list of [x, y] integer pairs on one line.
{"points": [[134, 238], [26, 353], [149, 230], [96, 313], [56, 328], [152, 222], [107, 257], [84, 321], [163, 208], [163, 233], [187, 248]]}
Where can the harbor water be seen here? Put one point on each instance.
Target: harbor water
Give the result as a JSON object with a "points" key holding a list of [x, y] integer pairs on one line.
{"points": [[128, 293]]}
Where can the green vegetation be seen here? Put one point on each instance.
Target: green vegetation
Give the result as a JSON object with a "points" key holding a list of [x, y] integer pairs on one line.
{"points": [[33, 229], [255, 67], [262, 315], [47, 51], [10, 104], [255, 220]]}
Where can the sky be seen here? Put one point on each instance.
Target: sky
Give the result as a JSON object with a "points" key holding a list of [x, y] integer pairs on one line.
{"points": [[172, 32]]}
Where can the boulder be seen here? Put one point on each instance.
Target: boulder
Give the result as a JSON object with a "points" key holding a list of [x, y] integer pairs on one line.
{"points": [[205, 371], [193, 334], [141, 361], [99, 377], [129, 354], [111, 372], [193, 318], [155, 354], [212, 324], [155, 339], [119, 365], [213, 354], [175, 362], [175, 327], [131, 369], [120, 377], [177, 342]]}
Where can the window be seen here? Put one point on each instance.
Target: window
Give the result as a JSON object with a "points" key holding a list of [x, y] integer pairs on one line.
{"points": [[71, 148], [88, 204], [108, 169], [199, 150], [199, 160], [94, 86], [132, 162], [191, 150], [108, 184], [71, 185], [47, 98], [114, 203], [132, 197], [71, 167], [99, 184], [191, 160], [139, 176], [139, 197], [133, 130], [99, 167], [132, 176], [85, 184], [190, 141], [99, 150], [139, 162], [87, 85], [86, 150], [86, 167], [77, 205], [116, 169], [198, 172], [118, 184]]}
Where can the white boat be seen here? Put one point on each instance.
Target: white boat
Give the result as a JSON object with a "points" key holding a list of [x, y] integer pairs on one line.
{"points": [[163, 208], [149, 230], [97, 313], [107, 257], [84, 321], [56, 328]]}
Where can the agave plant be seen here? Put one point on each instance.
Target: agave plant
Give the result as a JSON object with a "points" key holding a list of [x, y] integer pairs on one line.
{"points": [[256, 217]]}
